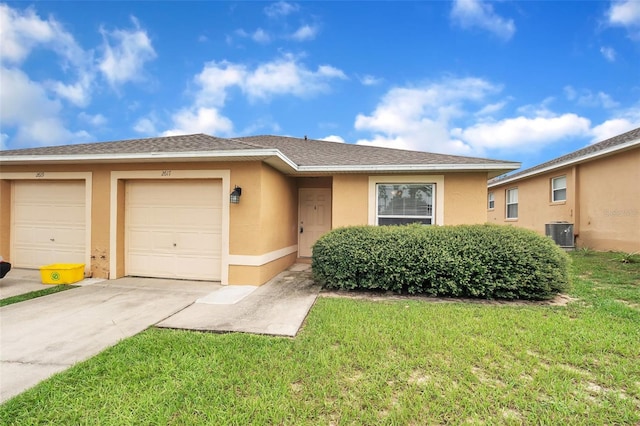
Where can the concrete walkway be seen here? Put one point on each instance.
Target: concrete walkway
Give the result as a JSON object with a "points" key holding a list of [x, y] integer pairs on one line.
{"points": [[46, 335], [277, 308]]}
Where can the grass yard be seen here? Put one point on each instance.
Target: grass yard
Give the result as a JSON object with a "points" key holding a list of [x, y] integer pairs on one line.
{"points": [[32, 295], [372, 362]]}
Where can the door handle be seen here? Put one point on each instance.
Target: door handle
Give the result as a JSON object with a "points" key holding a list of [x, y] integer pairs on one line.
{"points": [[301, 229]]}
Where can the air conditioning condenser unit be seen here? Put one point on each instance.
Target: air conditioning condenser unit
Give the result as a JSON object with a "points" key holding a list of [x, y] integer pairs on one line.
{"points": [[561, 233]]}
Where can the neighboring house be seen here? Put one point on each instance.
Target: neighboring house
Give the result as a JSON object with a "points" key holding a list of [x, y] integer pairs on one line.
{"points": [[595, 189], [161, 207]]}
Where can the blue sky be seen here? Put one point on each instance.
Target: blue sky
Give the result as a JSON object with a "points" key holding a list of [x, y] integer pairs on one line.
{"points": [[524, 81]]}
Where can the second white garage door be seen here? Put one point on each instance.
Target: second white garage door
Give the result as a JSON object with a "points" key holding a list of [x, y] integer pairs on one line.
{"points": [[173, 229]]}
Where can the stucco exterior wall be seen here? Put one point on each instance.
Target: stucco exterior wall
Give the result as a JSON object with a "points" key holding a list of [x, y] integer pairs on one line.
{"points": [[535, 208], [262, 228], [275, 208], [279, 211], [246, 222], [610, 203], [350, 200], [5, 218], [603, 202], [465, 198]]}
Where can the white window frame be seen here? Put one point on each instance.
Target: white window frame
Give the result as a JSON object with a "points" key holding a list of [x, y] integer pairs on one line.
{"points": [[509, 202], [491, 201], [555, 190], [437, 195], [428, 217]]}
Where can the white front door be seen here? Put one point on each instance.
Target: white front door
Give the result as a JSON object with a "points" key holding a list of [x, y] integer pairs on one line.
{"points": [[173, 229], [314, 216], [48, 223]]}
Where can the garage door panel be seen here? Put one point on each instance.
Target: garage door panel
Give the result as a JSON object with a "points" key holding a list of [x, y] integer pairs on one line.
{"points": [[48, 223], [173, 229], [198, 242]]}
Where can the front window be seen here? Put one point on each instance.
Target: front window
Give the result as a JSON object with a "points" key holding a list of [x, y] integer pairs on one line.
{"points": [[559, 189], [512, 203], [492, 201], [401, 204]]}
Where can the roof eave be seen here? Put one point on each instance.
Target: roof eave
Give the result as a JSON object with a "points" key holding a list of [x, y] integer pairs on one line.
{"points": [[231, 155], [497, 168], [271, 156], [567, 163]]}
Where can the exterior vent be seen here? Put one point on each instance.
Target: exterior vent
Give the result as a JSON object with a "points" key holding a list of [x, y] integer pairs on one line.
{"points": [[561, 233]]}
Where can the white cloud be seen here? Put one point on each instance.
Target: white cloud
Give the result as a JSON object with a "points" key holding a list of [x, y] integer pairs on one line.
{"points": [[199, 120], [587, 98], [281, 8], [96, 120], [78, 93], [440, 117], [146, 126], [369, 80], [125, 54], [22, 31], [282, 76], [625, 121], [25, 106], [305, 32], [418, 118], [490, 109], [333, 138], [478, 14], [609, 53], [261, 36], [215, 79], [523, 133], [286, 76], [625, 13], [404, 108]]}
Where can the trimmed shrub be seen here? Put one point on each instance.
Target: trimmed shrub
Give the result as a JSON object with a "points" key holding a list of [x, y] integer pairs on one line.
{"points": [[480, 261]]}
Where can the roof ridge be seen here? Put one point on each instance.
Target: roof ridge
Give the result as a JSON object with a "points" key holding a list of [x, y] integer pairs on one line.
{"points": [[372, 147], [628, 136]]}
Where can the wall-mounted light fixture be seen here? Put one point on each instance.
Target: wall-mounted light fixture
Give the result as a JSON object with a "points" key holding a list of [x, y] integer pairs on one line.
{"points": [[234, 198]]}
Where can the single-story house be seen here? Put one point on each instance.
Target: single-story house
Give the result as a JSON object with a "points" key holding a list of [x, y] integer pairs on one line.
{"points": [[237, 211], [592, 194]]}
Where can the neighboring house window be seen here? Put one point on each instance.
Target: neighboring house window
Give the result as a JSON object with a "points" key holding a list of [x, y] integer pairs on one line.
{"points": [[401, 204], [559, 189], [512, 203], [492, 201]]}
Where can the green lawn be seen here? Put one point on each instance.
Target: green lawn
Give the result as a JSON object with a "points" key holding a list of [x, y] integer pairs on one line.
{"points": [[32, 295], [367, 362]]}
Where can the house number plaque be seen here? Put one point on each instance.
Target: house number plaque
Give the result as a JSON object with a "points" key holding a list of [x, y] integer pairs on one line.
{"points": [[165, 173]]}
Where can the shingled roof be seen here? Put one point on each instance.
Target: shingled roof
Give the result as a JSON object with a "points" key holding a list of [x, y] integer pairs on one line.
{"points": [[291, 155], [606, 147]]}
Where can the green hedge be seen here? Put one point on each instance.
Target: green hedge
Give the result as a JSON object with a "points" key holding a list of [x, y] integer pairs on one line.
{"points": [[482, 261]]}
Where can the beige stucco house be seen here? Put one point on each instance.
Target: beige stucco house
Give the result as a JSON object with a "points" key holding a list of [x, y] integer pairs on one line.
{"points": [[595, 191], [162, 207]]}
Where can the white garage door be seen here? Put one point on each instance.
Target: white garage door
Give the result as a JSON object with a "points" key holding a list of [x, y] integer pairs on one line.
{"points": [[48, 223], [173, 229]]}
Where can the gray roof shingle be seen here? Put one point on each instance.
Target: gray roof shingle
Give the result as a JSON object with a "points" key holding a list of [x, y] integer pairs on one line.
{"points": [[313, 152], [587, 152], [183, 143], [303, 153]]}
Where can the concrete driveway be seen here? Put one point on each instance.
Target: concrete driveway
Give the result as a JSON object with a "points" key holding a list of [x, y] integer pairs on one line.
{"points": [[46, 335], [43, 336]]}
